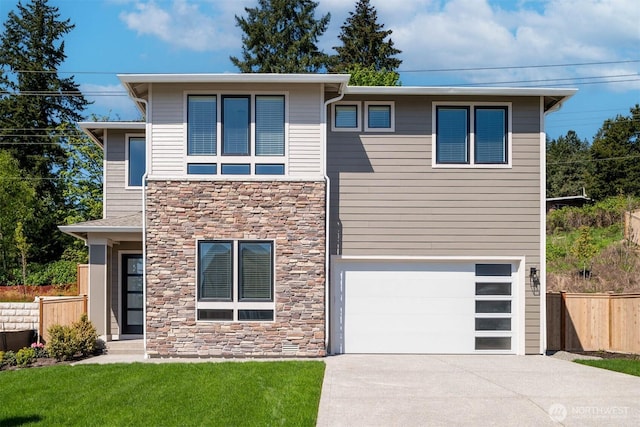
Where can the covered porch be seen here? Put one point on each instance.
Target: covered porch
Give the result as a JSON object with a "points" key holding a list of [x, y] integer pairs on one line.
{"points": [[115, 288]]}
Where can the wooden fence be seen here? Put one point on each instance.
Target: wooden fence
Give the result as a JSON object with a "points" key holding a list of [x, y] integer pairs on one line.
{"points": [[592, 322], [60, 311], [82, 279]]}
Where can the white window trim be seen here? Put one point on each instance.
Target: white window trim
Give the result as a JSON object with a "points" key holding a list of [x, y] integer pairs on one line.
{"points": [[236, 304], [358, 106], [471, 164], [127, 137], [392, 118], [252, 159]]}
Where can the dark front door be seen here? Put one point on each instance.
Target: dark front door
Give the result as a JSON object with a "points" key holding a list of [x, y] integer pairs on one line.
{"points": [[132, 297]]}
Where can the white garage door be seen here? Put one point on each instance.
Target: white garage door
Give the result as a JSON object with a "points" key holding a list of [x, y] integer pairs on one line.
{"points": [[424, 307]]}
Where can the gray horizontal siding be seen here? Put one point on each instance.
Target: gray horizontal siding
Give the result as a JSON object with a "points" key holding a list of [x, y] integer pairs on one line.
{"points": [[388, 200], [119, 200]]}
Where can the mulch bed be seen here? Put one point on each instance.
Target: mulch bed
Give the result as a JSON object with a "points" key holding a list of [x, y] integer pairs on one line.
{"points": [[609, 355]]}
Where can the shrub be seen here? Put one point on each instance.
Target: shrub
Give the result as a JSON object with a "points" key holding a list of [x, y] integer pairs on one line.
{"points": [[65, 342], [61, 344], [86, 336], [25, 356]]}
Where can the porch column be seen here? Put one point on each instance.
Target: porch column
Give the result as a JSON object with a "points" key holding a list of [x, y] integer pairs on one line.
{"points": [[97, 298]]}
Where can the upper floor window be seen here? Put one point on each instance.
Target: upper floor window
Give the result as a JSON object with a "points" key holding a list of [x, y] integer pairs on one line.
{"points": [[241, 126], [136, 161], [346, 117], [379, 117], [472, 135]]}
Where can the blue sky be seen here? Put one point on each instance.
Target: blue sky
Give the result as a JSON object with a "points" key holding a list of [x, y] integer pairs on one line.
{"points": [[592, 45]]}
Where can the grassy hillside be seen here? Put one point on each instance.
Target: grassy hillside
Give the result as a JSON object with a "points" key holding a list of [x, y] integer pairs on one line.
{"points": [[586, 250]]}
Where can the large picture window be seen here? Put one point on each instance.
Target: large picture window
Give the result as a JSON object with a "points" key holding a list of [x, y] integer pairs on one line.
{"points": [[228, 129], [471, 135], [235, 280]]}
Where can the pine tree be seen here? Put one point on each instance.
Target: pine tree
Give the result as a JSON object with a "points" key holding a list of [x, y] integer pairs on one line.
{"points": [[280, 36], [363, 42], [34, 102]]}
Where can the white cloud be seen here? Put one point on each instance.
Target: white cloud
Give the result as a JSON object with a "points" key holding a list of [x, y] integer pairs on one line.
{"points": [[182, 24]]}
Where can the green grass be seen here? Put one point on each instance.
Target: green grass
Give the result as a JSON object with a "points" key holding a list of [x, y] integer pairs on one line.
{"points": [[172, 394], [631, 367], [559, 245]]}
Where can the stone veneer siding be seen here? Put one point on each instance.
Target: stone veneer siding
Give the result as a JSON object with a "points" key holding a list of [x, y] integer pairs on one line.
{"points": [[292, 214]]}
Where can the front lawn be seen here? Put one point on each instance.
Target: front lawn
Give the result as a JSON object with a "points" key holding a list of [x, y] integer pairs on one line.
{"points": [[631, 367], [171, 394]]}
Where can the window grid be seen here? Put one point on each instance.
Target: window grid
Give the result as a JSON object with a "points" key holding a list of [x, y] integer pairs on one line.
{"points": [[232, 140], [486, 141], [235, 280]]}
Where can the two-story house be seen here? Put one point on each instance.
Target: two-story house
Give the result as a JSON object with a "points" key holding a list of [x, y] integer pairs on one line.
{"points": [[294, 215]]}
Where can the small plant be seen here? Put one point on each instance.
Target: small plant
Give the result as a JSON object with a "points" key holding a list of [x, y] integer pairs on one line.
{"points": [[584, 249], [41, 351], [9, 358], [25, 356]]}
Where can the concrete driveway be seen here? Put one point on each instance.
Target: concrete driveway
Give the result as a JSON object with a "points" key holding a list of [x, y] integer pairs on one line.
{"points": [[408, 390]]}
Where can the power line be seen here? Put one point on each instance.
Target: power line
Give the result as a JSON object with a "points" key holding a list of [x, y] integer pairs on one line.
{"points": [[516, 67], [636, 156]]}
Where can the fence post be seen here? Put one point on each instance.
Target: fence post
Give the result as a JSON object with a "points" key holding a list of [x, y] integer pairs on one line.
{"points": [[563, 320], [40, 320]]}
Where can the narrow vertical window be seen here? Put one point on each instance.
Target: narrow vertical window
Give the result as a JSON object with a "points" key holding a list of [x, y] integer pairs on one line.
{"points": [[452, 138], [136, 161], [202, 125], [269, 125], [215, 271], [235, 125], [256, 271], [490, 135]]}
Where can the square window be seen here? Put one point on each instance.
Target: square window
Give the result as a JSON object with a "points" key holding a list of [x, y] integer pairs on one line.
{"points": [[136, 161], [202, 168], [379, 116], [235, 281], [346, 117], [236, 121], [202, 126]]}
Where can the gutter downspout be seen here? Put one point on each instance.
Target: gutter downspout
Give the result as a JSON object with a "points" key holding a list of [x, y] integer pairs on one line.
{"points": [[327, 256], [147, 138]]}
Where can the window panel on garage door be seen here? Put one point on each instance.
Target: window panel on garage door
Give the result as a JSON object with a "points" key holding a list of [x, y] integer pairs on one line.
{"points": [[493, 307]]}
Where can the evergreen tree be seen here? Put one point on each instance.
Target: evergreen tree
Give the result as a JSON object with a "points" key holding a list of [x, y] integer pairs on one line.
{"points": [[615, 157], [280, 36], [364, 42], [34, 101], [567, 165]]}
